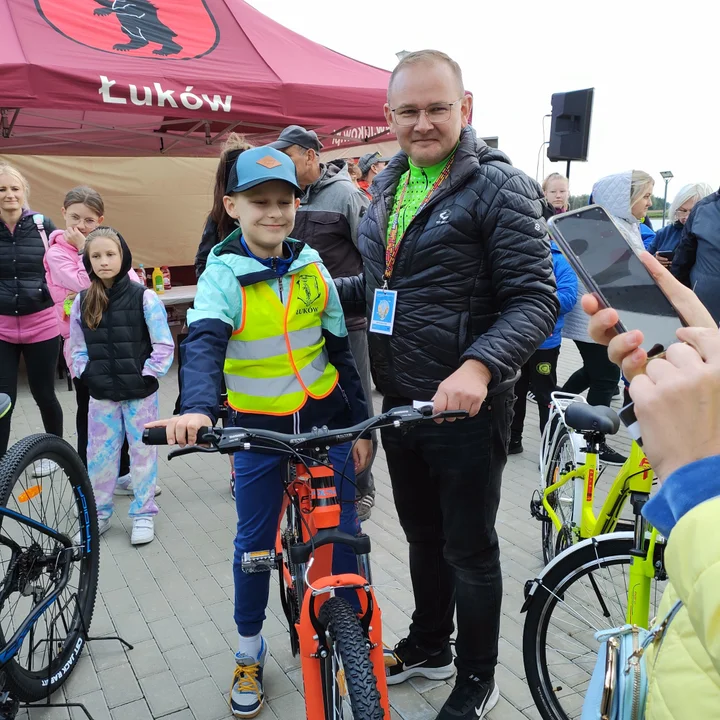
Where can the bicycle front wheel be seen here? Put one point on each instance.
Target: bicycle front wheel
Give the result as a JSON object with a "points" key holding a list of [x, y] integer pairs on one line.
{"points": [[584, 592], [43, 479], [562, 501], [349, 683]]}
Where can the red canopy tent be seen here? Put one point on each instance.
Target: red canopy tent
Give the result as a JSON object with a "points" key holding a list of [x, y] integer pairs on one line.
{"points": [[138, 78]]}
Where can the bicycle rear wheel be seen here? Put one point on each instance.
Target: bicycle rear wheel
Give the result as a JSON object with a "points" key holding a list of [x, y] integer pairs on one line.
{"points": [[585, 591], [349, 683], [562, 501], [34, 565]]}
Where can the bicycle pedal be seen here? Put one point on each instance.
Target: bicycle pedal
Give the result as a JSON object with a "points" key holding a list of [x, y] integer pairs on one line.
{"points": [[259, 561], [536, 509]]}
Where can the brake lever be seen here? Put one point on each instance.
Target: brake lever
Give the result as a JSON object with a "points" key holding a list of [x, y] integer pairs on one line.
{"points": [[190, 449]]}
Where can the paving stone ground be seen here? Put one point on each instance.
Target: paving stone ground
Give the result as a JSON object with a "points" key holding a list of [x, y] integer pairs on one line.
{"points": [[173, 598]]}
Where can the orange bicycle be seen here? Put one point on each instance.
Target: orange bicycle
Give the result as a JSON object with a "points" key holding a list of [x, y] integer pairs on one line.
{"points": [[341, 649]]}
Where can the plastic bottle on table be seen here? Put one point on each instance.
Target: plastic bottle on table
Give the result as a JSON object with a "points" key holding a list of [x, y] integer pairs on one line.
{"points": [[166, 277], [142, 275], [158, 284]]}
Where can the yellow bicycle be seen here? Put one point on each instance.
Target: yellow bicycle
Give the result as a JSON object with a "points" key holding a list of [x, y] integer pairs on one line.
{"points": [[570, 471], [601, 571]]}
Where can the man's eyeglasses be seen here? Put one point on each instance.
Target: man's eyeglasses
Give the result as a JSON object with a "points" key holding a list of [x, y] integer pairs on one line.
{"points": [[435, 113], [680, 211]]}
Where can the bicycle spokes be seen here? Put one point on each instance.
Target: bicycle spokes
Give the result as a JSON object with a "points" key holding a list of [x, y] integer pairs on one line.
{"points": [[39, 577]]}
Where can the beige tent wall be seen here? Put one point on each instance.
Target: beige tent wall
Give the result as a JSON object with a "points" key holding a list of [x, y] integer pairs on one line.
{"points": [[159, 204]]}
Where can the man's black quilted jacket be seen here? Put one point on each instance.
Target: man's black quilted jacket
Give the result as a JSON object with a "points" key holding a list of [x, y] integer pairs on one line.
{"points": [[473, 274]]}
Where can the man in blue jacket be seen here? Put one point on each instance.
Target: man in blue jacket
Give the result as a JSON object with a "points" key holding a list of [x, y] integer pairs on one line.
{"points": [[539, 373]]}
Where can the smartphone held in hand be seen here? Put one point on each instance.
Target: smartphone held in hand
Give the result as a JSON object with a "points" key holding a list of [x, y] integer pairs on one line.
{"points": [[610, 268]]}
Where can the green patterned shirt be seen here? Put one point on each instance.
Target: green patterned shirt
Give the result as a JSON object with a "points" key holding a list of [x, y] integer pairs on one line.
{"points": [[421, 180]]}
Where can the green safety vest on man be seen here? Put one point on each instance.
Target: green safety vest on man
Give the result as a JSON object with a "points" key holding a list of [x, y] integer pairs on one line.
{"points": [[277, 358]]}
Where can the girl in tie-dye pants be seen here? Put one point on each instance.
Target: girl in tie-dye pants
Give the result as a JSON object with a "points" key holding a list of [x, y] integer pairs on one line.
{"points": [[120, 344], [109, 422]]}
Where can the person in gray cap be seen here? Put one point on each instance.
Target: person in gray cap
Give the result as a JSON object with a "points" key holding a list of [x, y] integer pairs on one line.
{"points": [[370, 165], [327, 220]]}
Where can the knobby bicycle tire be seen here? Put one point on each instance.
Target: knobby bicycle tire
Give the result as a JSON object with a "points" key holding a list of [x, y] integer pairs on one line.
{"points": [[346, 636], [33, 684], [555, 699]]}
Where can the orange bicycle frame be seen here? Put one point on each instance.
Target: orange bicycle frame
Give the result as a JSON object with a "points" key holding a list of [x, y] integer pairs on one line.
{"points": [[314, 488]]}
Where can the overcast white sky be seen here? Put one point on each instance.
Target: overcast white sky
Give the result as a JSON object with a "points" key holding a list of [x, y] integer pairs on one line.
{"points": [[655, 67]]}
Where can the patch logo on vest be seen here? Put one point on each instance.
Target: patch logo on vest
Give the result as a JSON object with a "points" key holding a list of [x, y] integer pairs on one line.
{"points": [[308, 290], [140, 28], [544, 368]]}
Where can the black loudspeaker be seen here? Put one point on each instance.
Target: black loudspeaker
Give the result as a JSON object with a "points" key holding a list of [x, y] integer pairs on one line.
{"points": [[570, 128]]}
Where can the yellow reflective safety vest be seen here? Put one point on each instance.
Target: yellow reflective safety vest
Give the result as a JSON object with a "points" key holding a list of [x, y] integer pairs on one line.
{"points": [[277, 359]]}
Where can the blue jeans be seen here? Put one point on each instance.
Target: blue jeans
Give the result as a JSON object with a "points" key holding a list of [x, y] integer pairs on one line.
{"points": [[258, 498]]}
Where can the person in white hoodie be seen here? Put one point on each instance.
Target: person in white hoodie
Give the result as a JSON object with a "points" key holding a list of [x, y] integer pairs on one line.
{"points": [[627, 196]]}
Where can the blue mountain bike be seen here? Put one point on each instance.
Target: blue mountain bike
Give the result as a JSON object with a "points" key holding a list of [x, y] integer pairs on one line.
{"points": [[49, 561]]}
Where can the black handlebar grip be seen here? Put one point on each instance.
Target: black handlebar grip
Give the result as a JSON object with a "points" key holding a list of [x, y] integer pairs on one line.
{"points": [[457, 414], [155, 436], [203, 431]]}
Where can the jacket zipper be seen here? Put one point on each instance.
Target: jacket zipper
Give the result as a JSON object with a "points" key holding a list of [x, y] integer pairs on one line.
{"points": [[634, 664], [279, 281]]}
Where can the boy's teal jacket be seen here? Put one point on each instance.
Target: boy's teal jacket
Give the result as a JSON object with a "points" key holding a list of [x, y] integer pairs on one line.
{"points": [[217, 313]]}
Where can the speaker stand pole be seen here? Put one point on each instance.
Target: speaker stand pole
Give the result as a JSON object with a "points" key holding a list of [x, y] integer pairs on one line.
{"points": [[567, 170]]}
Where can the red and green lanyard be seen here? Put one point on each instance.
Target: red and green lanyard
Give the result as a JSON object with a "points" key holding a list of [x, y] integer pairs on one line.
{"points": [[394, 239]]}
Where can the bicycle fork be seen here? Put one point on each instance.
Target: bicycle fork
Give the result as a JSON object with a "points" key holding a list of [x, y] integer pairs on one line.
{"points": [[314, 642]]}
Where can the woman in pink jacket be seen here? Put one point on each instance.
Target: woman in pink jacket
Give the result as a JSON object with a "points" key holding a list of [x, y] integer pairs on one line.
{"points": [[83, 211], [28, 326]]}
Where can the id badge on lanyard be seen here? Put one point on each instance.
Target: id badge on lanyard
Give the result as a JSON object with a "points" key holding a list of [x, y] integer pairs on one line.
{"points": [[384, 305], [382, 318]]}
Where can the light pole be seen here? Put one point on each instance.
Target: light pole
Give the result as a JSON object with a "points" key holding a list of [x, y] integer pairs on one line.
{"points": [[667, 176]]}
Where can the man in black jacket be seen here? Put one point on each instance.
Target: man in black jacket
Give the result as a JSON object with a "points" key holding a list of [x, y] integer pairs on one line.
{"points": [[454, 240]]}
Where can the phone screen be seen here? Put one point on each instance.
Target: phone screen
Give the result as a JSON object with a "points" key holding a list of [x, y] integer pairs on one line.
{"points": [[621, 279]]}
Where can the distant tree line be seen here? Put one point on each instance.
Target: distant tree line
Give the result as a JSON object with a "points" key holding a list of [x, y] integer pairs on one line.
{"points": [[578, 201]]}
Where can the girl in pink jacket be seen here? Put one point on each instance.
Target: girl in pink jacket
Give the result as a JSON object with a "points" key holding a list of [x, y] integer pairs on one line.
{"points": [[83, 210]]}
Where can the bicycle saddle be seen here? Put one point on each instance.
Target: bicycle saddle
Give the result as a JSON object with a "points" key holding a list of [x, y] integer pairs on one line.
{"points": [[591, 418]]}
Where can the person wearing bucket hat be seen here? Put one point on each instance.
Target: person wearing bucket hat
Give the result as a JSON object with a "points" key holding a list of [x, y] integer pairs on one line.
{"points": [[267, 310], [371, 164], [327, 220]]}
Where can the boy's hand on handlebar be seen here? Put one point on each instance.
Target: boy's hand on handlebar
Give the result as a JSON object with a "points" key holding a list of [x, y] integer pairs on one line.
{"points": [[182, 429], [362, 454], [624, 350]]}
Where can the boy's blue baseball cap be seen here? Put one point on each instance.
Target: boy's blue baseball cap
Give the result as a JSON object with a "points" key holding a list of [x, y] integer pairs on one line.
{"points": [[260, 165]]}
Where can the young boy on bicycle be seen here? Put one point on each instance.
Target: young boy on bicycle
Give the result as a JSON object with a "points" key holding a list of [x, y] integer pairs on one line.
{"points": [[267, 315]]}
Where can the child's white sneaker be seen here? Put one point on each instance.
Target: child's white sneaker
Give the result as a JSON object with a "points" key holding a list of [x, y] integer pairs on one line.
{"points": [[124, 487], [247, 695], [143, 531]]}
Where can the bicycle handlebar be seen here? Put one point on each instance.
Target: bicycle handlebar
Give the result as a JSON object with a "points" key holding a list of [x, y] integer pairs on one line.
{"points": [[235, 439]]}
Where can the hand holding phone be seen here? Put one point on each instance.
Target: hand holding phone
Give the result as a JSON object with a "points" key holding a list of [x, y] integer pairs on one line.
{"points": [[610, 268], [665, 257]]}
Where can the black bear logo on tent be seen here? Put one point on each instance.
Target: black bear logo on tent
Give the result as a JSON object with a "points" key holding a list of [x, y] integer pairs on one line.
{"points": [[139, 21], [158, 29]]}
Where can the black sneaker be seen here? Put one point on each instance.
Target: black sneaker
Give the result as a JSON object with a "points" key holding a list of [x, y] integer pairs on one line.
{"points": [[610, 456], [407, 660], [470, 698], [515, 447]]}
